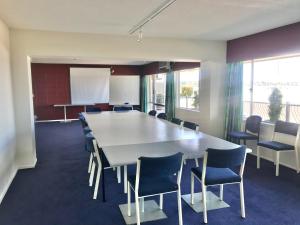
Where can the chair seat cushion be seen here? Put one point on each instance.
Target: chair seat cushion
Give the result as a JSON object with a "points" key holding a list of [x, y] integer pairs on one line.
{"points": [[275, 145], [242, 135], [217, 175], [152, 186]]}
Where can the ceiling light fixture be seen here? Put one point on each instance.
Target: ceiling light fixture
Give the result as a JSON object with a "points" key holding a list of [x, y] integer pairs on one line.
{"points": [[150, 17]]}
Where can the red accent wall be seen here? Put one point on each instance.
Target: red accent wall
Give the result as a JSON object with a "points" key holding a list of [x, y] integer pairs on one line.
{"points": [[276, 42], [51, 85]]}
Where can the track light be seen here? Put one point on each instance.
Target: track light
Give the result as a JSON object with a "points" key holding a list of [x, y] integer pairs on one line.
{"points": [[150, 17]]}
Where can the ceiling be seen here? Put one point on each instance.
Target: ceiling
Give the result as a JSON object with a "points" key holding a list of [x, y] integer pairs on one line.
{"points": [[192, 19]]}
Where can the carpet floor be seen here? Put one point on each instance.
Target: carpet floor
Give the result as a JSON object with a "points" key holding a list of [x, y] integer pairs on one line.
{"points": [[56, 192]]}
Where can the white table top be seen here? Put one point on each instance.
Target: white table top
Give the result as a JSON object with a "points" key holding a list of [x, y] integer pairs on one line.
{"points": [[125, 136], [133, 127], [63, 105]]}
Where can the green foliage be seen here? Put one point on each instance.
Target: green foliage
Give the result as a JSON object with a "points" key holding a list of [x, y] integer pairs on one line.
{"points": [[186, 91], [196, 100], [275, 106]]}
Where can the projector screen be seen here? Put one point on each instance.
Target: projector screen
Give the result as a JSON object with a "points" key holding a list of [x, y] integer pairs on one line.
{"points": [[124, 89], [89, 85]]}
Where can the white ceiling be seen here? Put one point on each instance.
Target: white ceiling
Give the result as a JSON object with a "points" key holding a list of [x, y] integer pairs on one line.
{"points": [[195, 19]]}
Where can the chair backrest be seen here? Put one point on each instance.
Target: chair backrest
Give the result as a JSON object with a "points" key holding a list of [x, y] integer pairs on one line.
{"points": [[152, 113], [89, 137], [162, 116], [190, 125], [286, 128], [83, 121], [221, 158], [122, 108], [92, 109], [176, 121], [160, 166], [253, 124]]}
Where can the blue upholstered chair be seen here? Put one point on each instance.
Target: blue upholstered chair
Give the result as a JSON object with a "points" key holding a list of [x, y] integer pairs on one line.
{"points": [[99, 161], [122, 108], [93, 109], [190, 125], [288, 129], [155, 176], [251, 132], [177, 121], [152, 113], [162, 116], [217, 170]]}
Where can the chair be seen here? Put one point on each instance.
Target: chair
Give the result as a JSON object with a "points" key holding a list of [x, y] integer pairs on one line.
{"points": [[152, 113], [288, 129], [217, 170], [93, 109], [251, 132], [162, 116], [155, 176], [98, 160], [122, 108], [176, 121], [191, 125]]}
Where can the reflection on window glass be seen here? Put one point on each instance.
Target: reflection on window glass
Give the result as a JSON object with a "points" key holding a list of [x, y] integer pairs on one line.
{"points": [[156, 92], [281, 73], [188, 88]]}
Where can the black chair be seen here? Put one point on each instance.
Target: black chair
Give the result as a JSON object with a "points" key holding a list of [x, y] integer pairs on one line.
{"points": [[176, 121], [162, 116], [216, 171], [92, 109], [152, 113], [251, 132], [191, 125], [155, 176], [288, 129]]}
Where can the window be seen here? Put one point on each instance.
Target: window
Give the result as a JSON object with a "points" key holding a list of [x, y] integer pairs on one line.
{"points": [[262, 76], [188, 83], [157, 92]]}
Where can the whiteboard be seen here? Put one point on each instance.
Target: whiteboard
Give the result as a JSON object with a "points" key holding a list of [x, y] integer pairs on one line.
{"points": [[89, 85], [124, 89]]}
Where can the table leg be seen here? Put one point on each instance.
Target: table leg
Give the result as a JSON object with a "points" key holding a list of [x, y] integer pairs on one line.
{"points": [[103, 185], [125, 179], [65, 113]]}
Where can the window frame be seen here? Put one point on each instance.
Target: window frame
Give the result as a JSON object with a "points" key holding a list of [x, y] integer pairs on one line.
{"points": [[177, 89]]}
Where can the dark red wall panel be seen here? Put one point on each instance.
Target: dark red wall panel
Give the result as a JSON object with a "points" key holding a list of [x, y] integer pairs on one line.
{"points": [[276, 42]]}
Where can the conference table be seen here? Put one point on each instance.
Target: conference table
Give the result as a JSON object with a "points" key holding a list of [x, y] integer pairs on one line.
{"points": [[126, 136]]}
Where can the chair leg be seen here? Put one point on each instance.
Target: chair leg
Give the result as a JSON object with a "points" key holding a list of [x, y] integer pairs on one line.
{"points": [[277, 163], [161, 201], [128, 200], [137, 209], [119, 174], [92, 175], [297, 160], [184, 162], [90, 163], [192, 188], [204, 203], [243, 213], [221, 192], [258, 157], [196, 162], [125, 179], [179, 206], [97, 182]]}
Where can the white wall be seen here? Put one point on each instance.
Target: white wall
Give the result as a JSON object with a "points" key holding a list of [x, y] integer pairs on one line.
{"points": [[7, 124], [35, 43]]}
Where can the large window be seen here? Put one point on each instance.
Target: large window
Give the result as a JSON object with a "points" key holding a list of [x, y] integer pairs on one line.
{"points": [[262, 76], [188, 83], [157, 92]]}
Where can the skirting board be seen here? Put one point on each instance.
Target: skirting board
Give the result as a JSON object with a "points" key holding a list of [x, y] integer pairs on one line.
{"points": [[7, 185]]}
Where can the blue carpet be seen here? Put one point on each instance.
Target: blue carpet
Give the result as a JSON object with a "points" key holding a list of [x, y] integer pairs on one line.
{"points": [[56, 192]]}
